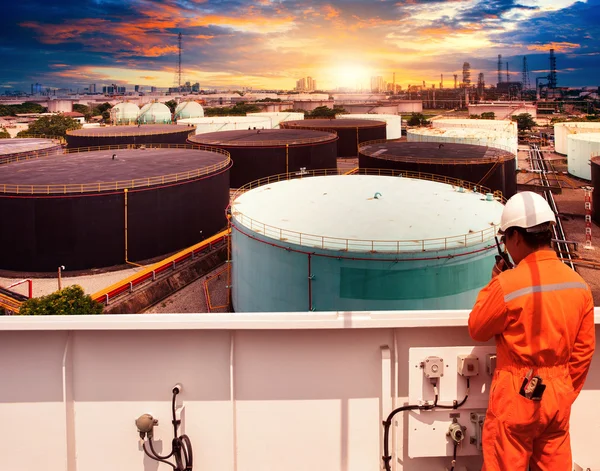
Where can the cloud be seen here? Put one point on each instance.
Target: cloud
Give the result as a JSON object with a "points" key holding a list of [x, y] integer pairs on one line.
{"points": [[238, 41]]}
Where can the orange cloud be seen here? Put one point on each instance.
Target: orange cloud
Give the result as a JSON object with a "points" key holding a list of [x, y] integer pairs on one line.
{"points": [[330, 12], [557, 46]]}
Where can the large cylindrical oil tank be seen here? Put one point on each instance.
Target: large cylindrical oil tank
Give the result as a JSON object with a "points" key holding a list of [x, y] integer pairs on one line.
{"points": [[189, 109], [563, 130], [102, 208], [226, 123], [262, 153], [134, 135], [501, 125], [478, 137], [155, 113], [580, 149], [365, 108], [360, 243], [351, 132], [21, 148], [485, 166], [393, 128], [124, 113], [278, 117], [595, 169]]}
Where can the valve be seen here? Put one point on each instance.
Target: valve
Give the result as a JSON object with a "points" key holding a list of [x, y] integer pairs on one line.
{"points": [[456, 431], [145, 424]]}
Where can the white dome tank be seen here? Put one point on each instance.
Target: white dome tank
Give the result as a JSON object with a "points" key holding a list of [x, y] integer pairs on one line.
{"points": [[478, 137], [124, 113], [189, 109], [563, 130], [336, 243], [580, 149], [503, 125], [155, 113], [393, 129], [279, 117], [226, 123]]}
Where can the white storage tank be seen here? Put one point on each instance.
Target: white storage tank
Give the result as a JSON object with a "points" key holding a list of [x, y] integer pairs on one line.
{"points": [[279, 117], [336, 243], [189, 109], [502, 125], [581, 148], [226, 123], [124, 113], [478, 137], [563, 130], [393, 122], [155, 113]]}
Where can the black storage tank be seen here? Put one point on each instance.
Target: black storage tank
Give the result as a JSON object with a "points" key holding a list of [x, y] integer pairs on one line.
{"points": [[95, 209]]}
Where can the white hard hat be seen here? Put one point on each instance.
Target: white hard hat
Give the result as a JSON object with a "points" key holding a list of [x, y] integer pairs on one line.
{"points": [[527, 210]]}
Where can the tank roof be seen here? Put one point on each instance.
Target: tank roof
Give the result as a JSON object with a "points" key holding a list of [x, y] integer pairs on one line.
{"points": [[87, 168], [262, 137], [587, 137], [366, 212], [22, 144], [336, 123], [133, 130], [404, 151]]}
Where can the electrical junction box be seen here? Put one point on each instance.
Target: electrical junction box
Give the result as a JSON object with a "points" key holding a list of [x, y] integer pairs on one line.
{"points": [[467, 365], [427, 429]]}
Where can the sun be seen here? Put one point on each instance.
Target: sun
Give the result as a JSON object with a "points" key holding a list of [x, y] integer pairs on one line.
{"points": [[351, 75]]}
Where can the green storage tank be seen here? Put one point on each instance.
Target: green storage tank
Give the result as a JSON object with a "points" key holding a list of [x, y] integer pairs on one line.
{"points": [[361, 242]]}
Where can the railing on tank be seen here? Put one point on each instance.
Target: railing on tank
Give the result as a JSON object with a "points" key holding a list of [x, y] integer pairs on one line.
{"points": [[121, 184], [88, 132], [268, 143], [492, 158], [359, 245]]}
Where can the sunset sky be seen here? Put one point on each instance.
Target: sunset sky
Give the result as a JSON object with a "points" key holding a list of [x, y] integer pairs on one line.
{"points": [[272, 43]]}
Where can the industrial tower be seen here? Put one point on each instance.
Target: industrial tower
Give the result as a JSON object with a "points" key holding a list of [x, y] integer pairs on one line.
{"points": [[455, 79], [499, 68], [507, 76], [480, 85], [179, 62], [466, 75], [552, 76], [525, 78]]}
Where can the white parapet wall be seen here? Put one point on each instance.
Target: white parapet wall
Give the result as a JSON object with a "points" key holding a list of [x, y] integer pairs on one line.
{"points": [[260, 391], [504, 125]]}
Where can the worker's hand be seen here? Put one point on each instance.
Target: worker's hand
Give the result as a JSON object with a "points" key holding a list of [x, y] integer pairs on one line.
{"points": [[499, 266]]}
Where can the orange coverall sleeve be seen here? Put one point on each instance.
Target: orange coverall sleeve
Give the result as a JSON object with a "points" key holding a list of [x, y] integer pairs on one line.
{"points": [[490, 313], [583, 349]]}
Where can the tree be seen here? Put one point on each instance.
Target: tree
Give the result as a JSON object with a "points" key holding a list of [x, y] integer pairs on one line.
{"points": [[417, 119], [65, 302], [524, 121], [172, 104], [55, 125], [326, 112], [23, 108], [488, 115], [4, 134], [84, 110]]}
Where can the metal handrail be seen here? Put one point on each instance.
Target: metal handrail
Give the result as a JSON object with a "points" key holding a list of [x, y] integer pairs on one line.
{"points": [[176, 128], [121, 184], [493, 158], [379, 245], [270, 143]]}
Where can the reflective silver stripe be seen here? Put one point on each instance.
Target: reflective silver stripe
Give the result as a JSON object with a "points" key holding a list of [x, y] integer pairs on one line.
{"points": [[543, 289]]}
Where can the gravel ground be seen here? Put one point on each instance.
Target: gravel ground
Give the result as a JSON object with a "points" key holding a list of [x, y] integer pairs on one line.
{"points": [[192, 298]]}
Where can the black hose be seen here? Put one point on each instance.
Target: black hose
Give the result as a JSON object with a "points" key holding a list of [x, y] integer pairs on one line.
{"points": [[181, 447], [157, 458], [454, 456], [388, 422]]}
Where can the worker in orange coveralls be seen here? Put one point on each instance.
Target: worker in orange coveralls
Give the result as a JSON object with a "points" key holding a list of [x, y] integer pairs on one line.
{"points": [[541, 314]]}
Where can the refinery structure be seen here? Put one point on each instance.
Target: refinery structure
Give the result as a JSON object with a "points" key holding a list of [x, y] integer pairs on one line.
{"points": [[336, 242]]}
